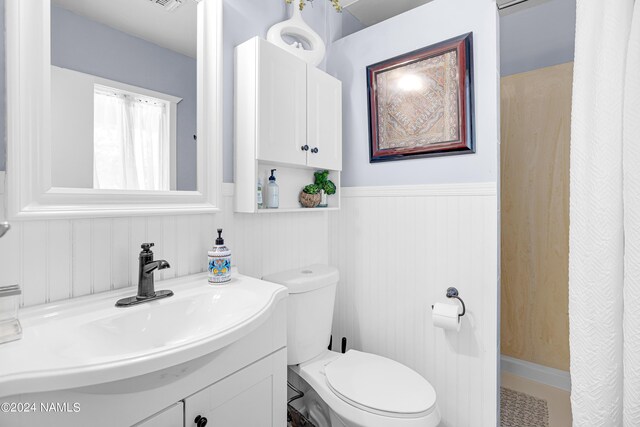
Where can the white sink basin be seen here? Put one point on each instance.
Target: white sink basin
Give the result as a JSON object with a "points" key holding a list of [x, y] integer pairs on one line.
{"points": [[89, 341]]}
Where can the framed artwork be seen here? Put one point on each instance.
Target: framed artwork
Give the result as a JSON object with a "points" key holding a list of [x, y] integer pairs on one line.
{"points": [[421, 103]]}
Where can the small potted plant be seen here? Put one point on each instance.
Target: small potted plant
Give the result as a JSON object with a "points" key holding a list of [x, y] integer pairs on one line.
{"points": [[327, 187], [315, 195], [310, 196]]}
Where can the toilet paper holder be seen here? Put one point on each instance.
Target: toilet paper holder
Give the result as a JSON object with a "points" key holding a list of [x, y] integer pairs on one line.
{"points": [[453, 293]]}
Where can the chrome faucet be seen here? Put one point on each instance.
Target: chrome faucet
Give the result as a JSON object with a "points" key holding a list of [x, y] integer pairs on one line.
{"points": [[146, 286]]}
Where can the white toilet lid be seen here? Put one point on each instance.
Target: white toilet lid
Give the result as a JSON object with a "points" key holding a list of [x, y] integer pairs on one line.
{"points": [[380, 385]]}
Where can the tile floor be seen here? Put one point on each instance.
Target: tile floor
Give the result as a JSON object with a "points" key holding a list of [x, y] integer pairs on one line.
{"points": [[557, 399]]}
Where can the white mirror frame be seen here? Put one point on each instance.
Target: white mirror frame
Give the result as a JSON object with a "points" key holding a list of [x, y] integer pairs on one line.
{"points": [[30, 194]]}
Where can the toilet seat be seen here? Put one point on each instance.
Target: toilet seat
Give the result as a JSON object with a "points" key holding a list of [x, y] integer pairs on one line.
{"points": [[380, 386], [314, 373]]}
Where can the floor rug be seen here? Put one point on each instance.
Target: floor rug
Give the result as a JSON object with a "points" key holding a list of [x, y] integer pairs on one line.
{"points": [[522, 410]]}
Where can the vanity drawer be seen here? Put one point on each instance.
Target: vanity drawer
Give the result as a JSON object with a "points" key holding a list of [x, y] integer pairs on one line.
{"points": [[173, 416], [253, 396]]}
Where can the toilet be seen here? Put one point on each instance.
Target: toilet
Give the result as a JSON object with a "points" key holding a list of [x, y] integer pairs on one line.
{"points": [[359, 389]]}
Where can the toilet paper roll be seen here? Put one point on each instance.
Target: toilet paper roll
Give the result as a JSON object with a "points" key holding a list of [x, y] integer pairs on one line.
{"points": [[445, 316]]}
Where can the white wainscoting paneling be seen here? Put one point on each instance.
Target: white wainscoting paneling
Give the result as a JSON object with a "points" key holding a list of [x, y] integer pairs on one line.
{"points": [[61, 259], [398, 249]]}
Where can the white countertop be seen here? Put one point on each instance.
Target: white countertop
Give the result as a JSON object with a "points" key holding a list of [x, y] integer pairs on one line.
{"points": [[88, 340]]}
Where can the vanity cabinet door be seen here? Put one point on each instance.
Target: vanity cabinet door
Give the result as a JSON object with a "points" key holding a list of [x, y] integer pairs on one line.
{"points": [[282, 106], [253, 396], [324, 120], [173, 416]]}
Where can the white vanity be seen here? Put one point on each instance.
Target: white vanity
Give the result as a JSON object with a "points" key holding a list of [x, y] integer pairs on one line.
{"points": [[209, 351]]}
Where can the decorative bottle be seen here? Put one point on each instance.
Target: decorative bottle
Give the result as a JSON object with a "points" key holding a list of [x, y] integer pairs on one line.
{"points": [[219, 262], [273, 192], [259, 195]]}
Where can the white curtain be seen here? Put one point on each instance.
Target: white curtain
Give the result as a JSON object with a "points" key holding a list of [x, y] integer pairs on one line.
{"points": [[604, 262], [131, 142]]}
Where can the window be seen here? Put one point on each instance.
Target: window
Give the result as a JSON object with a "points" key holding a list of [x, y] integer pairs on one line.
{"points": [[132, 141]]}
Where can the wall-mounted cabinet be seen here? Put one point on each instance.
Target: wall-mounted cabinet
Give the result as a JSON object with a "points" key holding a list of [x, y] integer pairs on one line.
{"points": [[288, 116], [324, 120]]}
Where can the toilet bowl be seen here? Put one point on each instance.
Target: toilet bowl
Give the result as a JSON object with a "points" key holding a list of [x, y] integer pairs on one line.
{"points": [[365, 390], [360, 389]]}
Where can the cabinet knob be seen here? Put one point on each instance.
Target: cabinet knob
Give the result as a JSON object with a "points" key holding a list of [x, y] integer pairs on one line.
{"points": [[305, 148], [314, 150], [200, 421]]}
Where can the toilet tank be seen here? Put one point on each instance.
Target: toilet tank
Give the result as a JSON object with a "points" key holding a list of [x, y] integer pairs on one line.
{"points": [[312, 292]]}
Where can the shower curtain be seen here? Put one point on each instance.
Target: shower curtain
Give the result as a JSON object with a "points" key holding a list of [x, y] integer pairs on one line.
{"points": [[604, 260]]}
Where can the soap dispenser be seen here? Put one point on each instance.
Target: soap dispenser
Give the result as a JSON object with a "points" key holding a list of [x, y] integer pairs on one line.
{"points": [[273, 192], [219, 262]]}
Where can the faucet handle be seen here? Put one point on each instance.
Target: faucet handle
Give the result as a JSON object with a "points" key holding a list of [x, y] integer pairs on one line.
{"points": [[146, 246]]}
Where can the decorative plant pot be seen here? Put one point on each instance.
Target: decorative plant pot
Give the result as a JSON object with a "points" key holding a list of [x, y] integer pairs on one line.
{"points": [[309, 200], [323, 199]]}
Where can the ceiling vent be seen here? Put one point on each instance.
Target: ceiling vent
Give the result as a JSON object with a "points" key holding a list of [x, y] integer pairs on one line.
{"points": [[168, 5]]}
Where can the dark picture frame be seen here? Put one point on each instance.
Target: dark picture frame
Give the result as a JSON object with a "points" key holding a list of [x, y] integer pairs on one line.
{"points": [[400, 117]]}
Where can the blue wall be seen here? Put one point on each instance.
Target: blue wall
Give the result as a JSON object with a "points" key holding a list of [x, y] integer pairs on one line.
{"points": [[423, 26], [537, 35], [87, 46]]}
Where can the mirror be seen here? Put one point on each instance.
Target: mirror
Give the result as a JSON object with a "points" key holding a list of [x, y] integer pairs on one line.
{"points": [[52, 149], [124, 94]]}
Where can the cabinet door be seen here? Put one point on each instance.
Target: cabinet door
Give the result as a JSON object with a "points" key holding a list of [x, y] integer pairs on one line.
{"points": [[253, 396], [173, 416], [282, 105], [324, 120]]}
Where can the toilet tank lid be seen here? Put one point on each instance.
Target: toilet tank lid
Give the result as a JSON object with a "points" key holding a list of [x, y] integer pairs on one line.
{"points": [[306, 279]]}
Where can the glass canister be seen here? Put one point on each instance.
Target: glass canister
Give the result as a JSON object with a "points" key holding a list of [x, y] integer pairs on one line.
{"points": [[10, 329]]}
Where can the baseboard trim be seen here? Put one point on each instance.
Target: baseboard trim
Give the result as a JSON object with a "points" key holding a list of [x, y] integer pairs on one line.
{"points": [[539, 373], [426, 190]]}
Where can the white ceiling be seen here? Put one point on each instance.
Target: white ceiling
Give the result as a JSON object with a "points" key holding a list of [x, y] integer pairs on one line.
{"points": [[370, 12], [175, 30]]}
